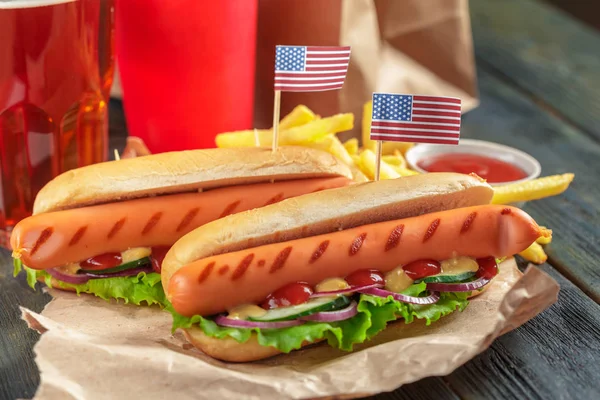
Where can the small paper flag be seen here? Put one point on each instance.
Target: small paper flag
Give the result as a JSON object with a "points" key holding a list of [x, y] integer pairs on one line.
{"points": [[416, 119], [310, 68]]}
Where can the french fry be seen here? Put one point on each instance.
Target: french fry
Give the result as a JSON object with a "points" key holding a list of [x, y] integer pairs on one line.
{"points": [[403, 171], [357, 174], [544, 239], [332, 145], [355, 158], [392, 147], [299, 135], [532, 190], [534, 253], [367, 166], [367, 143], [300, 115], [351, 146], [396, 159]]}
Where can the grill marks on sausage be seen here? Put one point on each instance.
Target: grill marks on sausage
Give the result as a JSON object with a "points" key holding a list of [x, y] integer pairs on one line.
{"points": [[357, 244], [431, 230], [187, 218], [275, 199], [152, 222], [229, 209], [505, 211], [318, 251], [280, 259], [261, 263], [77, 236], [206, 272], [44, 236], [394, 238], [242, 267], [116, 228], [467, 224], [223, 270]]}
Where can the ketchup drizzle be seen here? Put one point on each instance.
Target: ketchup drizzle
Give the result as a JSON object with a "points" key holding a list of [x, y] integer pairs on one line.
{"points": [[467, 224], [357, 244], [394, 238], [431, 230], [318, 251]]}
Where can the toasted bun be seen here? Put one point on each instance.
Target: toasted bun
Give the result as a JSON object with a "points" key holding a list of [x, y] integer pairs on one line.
{"points": [[183, 171], [325, 212]]}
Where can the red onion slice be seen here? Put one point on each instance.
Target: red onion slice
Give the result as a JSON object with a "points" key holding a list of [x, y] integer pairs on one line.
{"points": [[74, 279], [128, 272], [332, 316], [241, 323], [459, 287], [431, 299], [80, 279], [346, 291]]}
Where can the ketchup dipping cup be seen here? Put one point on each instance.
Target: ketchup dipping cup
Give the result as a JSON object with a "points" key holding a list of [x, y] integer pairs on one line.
{"points": [[487, 159]]}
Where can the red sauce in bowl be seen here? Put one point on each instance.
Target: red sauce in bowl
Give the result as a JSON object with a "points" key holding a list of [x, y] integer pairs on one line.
{"points": [[491, 169]]}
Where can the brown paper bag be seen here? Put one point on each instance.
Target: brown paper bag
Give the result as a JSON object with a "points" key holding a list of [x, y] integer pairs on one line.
{"points": [[408, 46]]}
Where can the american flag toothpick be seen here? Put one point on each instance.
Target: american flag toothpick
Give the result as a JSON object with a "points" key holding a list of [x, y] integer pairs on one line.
{"points": [[307, 69], [414, 118]]}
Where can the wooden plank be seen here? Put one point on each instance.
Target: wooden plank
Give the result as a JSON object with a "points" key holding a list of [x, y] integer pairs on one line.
{"points": [[507, 117], [425, 389], [543, 51], [553, 356], [19, 376]]}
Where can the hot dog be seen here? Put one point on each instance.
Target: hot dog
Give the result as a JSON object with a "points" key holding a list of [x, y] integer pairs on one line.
{"points": [[96, 220], [255, 284]]}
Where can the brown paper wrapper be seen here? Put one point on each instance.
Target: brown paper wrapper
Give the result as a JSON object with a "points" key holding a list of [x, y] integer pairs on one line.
{"points": [[94, 349], [410, 46]]}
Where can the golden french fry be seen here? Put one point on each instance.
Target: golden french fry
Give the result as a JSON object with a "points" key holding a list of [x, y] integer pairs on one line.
{"points": [[368, 162], [367, 143], [534, 253], [355, 158], [299, 135], [357, 174], [392, 147], [545, 239], [300, 115], [351, 146], [396, 159], [403, 171], [532, 190], [332, 145]]}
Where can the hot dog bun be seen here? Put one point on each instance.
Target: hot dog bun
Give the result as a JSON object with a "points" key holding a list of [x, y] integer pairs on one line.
{"points": [[183, 171], [330, 211]]}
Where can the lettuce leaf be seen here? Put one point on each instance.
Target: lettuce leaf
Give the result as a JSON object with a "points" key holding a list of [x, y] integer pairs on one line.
{"points": [[144, 287], [374, 313]]}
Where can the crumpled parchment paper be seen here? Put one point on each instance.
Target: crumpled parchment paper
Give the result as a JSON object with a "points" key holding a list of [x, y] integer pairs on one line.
{"points": [[93, 349]]}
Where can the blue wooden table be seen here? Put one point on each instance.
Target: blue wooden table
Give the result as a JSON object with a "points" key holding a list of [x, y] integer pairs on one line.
{"points": [[539, 82]]}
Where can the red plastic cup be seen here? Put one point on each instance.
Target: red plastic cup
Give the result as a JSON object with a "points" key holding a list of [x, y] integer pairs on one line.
{"points": [[186, 69]]}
